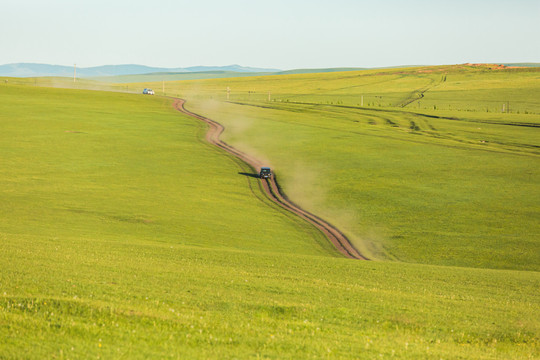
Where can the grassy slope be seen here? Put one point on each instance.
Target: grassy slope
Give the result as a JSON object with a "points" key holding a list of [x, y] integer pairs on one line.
{"points": [[440, 188], [128, 169], [104, 253], [81, 298]]}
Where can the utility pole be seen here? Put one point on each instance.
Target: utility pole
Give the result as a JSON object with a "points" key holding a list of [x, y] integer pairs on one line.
{"points": [[74, 72], [362, 101]]}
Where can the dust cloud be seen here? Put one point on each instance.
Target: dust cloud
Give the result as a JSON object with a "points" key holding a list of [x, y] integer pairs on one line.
{"points": [[304, 184], [307, 186]]}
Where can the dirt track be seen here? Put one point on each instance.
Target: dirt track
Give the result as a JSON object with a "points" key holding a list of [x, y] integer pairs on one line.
{"points": [[340, 241]]}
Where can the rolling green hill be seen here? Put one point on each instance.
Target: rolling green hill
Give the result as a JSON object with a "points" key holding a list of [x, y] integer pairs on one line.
{"points": [[123, 234], [425, 171]]}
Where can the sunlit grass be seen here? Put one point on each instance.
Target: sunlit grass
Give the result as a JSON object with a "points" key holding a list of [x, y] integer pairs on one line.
{"points": [[448, 179], [86, 297], [123, 234]]}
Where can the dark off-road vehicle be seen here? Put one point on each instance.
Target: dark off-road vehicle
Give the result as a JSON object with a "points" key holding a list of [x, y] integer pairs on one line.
{"points": [[265, 173]]}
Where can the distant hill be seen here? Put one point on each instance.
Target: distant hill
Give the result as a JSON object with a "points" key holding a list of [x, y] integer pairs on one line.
{"points": [[37, 70], [129, 72], [177, 76], [199, 75], [139, 73], [522, 64], [310, 71], [214, 74]]}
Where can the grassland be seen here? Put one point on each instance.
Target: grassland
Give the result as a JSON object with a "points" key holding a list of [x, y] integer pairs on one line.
{"points": [[75, 160], [126, 79], [83, 297], [429, 170], [67, 83], [124, 235], [457, 88]]}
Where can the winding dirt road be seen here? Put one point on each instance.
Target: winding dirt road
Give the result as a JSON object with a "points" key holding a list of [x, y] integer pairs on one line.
{"points": [[340, 241]]}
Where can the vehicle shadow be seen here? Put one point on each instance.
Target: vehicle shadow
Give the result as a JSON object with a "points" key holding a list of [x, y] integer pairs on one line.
{"points": [[249, 175]]}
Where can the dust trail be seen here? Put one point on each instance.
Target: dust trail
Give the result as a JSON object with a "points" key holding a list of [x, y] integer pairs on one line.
{"points": [[303, 185], [272, 189]]}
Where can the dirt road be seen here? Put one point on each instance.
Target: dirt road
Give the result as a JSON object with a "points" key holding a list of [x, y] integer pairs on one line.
{"points": [[340, 241]]}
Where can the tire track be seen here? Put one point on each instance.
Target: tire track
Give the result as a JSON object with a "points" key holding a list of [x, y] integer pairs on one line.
{"points": [[271, 187]]}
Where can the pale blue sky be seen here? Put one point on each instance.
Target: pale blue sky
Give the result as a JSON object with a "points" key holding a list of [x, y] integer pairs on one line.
{"points": [[282, 34]]}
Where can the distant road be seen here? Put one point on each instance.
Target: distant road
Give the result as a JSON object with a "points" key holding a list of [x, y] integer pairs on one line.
{"points": [[340, 241]]}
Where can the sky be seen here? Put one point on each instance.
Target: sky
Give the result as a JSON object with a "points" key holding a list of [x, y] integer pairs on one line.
{"points": [[281, 34]]}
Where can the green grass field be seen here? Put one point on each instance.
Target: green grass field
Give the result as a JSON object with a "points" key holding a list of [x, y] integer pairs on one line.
{"points": [[440, 180], [79, 160], [123, 234]]}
